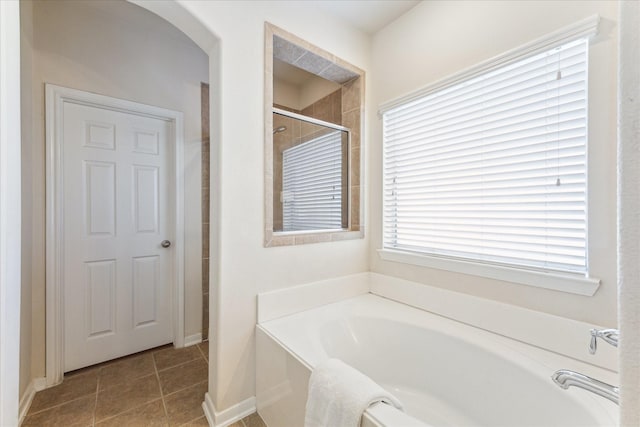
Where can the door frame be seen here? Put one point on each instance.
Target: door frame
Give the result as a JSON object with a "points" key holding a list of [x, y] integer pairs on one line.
{"points": [[55, 98]]}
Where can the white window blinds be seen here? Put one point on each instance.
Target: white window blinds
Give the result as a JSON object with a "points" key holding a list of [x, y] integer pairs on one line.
{"points": [[312, 184], [493, 168]]}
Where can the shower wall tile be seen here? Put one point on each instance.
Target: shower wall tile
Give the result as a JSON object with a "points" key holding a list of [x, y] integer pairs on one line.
{"points": [[338, 74], [355, 166], [312, 238], [205, 316], [206, 149], [335, 99], [312, 63], [286, 51], [205, 203], [328, 109], [322, 109], [205, 161], [205, 275], [355, 207], [352, 108], [204, 101], [351, 120], [351, 93]]}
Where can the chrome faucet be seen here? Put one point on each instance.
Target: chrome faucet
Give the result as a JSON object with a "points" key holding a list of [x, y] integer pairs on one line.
{"points": [[565, 379], [609, 335]]}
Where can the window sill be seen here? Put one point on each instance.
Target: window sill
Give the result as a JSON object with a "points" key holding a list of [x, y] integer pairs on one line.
{"points": [[573, 284]]}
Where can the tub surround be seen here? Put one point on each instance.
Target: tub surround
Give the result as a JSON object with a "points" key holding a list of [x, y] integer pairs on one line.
{"points": [[558, 334], [553, 333], [275, 304]]}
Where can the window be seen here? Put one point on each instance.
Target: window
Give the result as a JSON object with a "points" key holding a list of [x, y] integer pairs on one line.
{"points": [[492, 168], [312, 184]]}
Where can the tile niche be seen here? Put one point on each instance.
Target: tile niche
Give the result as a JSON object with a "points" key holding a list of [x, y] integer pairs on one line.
{"points": [[334, 95]]}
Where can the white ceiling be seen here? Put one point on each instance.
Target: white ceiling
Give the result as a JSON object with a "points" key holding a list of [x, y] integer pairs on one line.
{"points": [[366, 15]]}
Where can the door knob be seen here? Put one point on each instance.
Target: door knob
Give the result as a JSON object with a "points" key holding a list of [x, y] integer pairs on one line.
{"points": [[165, 243]]}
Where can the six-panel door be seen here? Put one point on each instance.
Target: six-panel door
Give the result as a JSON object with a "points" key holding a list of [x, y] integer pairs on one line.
{"points": [[117, 197]]}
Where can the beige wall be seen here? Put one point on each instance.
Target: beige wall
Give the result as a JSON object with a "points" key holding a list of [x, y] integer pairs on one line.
{"points": [[433, 40], [117, 49], [286, 94], [297, 97], [438, 38]]}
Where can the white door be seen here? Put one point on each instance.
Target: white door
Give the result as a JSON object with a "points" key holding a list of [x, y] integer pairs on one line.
{"points": [[117, 193]]}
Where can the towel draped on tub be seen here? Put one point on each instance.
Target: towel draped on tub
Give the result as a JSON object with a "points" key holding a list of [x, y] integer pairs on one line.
{"points": [[339, 395]]}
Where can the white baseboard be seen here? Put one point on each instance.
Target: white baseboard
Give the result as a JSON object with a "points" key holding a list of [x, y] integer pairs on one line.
{"points": [[193, 339], [229, 415], [35, 385], [25, 402]]}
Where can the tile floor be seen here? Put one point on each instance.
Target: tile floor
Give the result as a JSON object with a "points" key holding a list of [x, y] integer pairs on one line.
{"points": [[159, 387]]}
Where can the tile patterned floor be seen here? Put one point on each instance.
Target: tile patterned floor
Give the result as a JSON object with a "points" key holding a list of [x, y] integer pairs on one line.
{"points": [[159, 387]]}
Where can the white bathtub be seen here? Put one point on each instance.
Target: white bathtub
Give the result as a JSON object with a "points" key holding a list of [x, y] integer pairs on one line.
{"points": [[446, 373]]}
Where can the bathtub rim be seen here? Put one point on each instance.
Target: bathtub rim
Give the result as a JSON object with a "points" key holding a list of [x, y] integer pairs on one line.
{"points": [[526, 356]]}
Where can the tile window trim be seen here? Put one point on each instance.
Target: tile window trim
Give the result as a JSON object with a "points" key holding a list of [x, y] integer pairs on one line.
{"points": [[352, 117]]}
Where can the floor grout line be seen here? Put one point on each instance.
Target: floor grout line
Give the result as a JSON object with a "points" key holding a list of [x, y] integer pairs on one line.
{"points": [[179, 364], [184, 388], [95, 404], [164, 404], [202, 352]]}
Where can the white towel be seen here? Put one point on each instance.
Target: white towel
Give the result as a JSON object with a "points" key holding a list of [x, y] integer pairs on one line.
{"points": [[339, 395]]}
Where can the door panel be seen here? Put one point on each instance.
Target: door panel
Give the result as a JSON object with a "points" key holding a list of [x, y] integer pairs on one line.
{"points": [[117, 277], [145, 196], [100, 197], [145, 276], [100, 294]]}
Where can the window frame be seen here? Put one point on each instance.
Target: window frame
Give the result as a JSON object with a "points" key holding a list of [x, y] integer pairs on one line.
{"points": [[566, 282]]}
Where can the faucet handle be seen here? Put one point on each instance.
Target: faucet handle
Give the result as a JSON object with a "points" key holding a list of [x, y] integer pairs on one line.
{"points": [[611, 336]]}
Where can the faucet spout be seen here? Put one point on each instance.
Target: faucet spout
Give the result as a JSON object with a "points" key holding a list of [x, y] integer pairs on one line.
{"points": [[565, 379]]}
